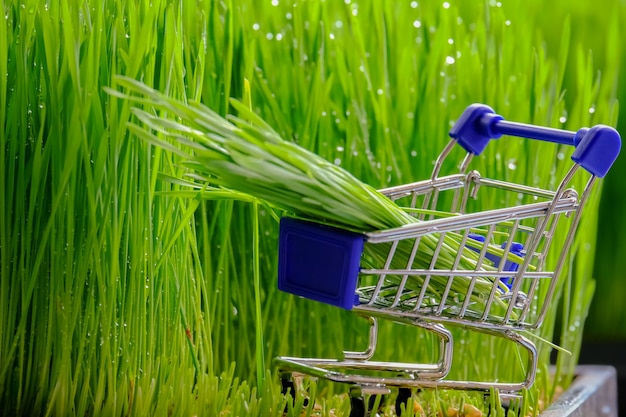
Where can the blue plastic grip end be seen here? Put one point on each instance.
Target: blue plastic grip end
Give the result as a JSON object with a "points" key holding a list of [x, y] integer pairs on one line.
{"points": [[319, 262], [473, 130], [596, 149]]}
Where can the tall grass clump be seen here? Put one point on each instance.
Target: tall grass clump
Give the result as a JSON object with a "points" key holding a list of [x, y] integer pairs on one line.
{"points": [[124, 291]]}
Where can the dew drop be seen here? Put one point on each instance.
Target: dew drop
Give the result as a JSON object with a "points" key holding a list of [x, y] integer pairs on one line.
{"points": [[256, 26], [450, 60], [446, 5], [417, 24], [414, 5]]}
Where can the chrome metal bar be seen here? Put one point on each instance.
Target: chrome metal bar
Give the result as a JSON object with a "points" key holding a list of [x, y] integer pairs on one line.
{"points": [[422, 187], [461, 272], [431, 267], [470, 220], [442, 157], [539, 228], [565, 249], [368, 353], [381, 279], [455, 265], [408, 267]]}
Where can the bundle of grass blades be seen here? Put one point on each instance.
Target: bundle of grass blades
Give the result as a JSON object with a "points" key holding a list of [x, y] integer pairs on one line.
{"points": [[246, 155]]}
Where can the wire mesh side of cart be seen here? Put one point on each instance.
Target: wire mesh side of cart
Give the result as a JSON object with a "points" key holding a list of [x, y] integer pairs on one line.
{"points": [[493, 268]]}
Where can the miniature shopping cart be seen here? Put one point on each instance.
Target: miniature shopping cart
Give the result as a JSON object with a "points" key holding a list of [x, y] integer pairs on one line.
{"points": [[516, 249]]}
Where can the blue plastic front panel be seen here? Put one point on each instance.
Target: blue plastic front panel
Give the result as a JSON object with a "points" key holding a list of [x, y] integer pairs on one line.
{"points": [[319, 262]]}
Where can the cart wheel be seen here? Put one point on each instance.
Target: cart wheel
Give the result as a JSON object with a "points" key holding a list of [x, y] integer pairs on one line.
{"points": [[357, 403], [371, 404], [288, 386], [403, 396], [508, 404], [512, 404], [357, 407]]}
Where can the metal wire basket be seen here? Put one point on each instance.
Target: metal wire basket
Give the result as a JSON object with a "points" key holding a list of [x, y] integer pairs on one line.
{"points": [[494, 278]]}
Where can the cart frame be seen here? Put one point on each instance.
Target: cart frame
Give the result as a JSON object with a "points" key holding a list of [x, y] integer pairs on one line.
{"points": [[382, 291]]}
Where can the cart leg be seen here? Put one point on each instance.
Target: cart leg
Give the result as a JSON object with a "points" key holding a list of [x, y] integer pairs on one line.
{"points": [[445, 349], [371, 348]]}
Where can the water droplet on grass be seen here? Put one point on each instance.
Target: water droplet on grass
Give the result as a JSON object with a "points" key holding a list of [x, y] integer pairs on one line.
{"points": [[256, 26], [446, 5], [275, 3], [414, 5], [450, 60], [417, 24]]}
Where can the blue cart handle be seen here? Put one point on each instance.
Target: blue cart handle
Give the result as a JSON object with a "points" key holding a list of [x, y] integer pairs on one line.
{"points": [[596, 147]]}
